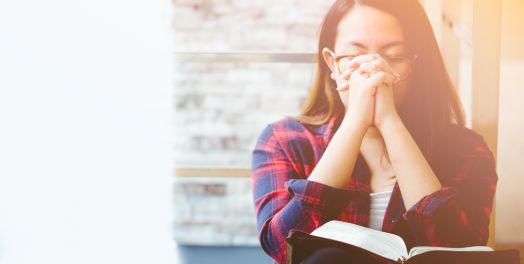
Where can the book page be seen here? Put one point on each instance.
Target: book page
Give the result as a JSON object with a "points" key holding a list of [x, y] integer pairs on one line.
{"points": [[422, 249], [381, 243]]}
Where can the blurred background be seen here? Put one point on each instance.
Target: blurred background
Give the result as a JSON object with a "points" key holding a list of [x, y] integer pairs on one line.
{"points": [[126, 127]]}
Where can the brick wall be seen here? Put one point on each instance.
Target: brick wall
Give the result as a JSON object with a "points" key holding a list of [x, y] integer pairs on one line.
{"points": [[221, 108], [283, 25], [214, 211]]}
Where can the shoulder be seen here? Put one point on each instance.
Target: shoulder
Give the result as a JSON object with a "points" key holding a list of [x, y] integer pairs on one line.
{"points": [[459, 148], [288, 127], [461, 154], [287, 124], [463, 140], [289, 132]]}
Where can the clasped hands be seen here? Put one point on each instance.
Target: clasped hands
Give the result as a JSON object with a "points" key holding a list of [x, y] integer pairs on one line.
{"points": [[368, 82]]}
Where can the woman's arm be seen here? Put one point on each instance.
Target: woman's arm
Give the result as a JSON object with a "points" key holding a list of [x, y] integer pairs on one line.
{"points": [[452, 216], [284, 198], [337, 163], [415, 177], [456, 214]]}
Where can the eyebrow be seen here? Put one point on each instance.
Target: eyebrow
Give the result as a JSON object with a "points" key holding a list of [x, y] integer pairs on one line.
{"points": [[388, 45]]}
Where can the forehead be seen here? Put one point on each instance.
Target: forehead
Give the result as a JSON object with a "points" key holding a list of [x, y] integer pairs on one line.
{"points": [[371, 27]]}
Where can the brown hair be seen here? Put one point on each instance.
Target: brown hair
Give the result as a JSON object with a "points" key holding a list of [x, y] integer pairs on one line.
{"points": [[431, 103]]}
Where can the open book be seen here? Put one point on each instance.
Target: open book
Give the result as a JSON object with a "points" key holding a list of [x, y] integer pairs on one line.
{"points": [[381, 243], [372, 246]]}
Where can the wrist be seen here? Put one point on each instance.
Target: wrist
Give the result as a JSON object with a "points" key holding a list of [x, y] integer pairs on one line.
{"points": [[355, 124], [389, 123]]}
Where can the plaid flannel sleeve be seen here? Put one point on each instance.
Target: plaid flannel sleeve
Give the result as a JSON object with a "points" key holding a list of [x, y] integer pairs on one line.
{"points": [[458, 215], [285, 200]]}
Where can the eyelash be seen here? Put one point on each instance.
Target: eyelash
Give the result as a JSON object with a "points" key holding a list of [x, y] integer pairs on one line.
{"points": [[393, 58], [385, 55]]}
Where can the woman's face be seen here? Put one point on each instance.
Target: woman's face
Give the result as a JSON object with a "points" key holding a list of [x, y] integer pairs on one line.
{"points": [[367, 30]]}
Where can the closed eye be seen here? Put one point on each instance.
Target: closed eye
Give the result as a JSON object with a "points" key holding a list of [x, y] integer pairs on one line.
{"points": [[395, 58], [348, 57]]}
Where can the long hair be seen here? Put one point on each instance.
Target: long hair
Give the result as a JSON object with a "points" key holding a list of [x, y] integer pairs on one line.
{"points": [[431, 102]]}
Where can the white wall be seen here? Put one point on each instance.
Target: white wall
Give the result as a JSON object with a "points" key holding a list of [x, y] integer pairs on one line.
{"points": [[509, 227], [85, 132]]}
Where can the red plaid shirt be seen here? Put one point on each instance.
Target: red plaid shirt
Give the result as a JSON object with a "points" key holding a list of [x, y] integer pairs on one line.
{"points": [[456, 215]]}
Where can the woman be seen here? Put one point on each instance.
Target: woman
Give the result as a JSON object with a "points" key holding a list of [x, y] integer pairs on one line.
{"points": [[381, 141]]}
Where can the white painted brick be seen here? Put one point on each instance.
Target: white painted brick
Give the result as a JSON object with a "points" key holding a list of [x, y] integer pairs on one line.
{"points": [[227, 219], [221, 108]]}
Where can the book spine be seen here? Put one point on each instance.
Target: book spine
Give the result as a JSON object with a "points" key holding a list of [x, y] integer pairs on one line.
{"points": [[289, 253]]}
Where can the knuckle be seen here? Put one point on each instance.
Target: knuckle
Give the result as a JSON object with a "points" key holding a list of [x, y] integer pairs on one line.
{"points": [[365, 65], [381, 74]]}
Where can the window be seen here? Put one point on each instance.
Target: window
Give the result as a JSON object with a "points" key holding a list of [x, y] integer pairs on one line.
{"points": [[239, 65]]}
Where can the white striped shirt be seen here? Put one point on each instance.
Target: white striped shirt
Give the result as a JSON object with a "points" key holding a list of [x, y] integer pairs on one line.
{"points": [[378, 205]]}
